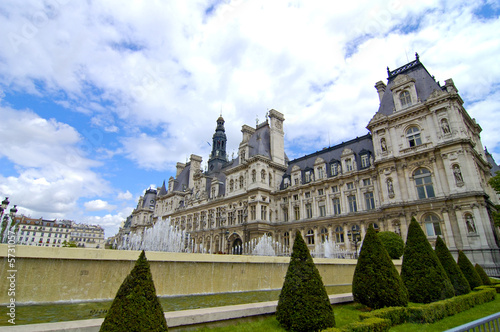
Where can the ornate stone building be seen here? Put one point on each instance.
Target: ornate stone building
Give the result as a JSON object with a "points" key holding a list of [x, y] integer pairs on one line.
{"points": [[423, 158]]}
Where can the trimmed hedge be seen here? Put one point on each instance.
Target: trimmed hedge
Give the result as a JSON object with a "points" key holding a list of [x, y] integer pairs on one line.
{"points": [[432, 312], [457, 278], [136, 306], [484, 277], [422, 272], [303, 303], [468, 270], [495, 287], [373, 324], [393, 243], [376, 282]]}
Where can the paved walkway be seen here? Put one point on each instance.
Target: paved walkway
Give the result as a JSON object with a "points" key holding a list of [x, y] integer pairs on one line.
{"points": [[179, 319]]}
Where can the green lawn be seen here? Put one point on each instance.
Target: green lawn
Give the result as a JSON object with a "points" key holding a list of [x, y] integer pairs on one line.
{"points": [[347, 313]]}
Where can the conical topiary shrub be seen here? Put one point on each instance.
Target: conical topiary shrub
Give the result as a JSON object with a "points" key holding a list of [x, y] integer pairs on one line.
{"points": [[422, 273], [376, 282], [303, 303], [468, 270], [457, 278], [484, 277], [393, 243], [136, 306]]}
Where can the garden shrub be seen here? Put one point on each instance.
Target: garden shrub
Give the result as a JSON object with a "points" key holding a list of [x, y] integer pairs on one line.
{"points": [[484, 277], [422, 273], [432, 312], [136, 306], [393, 243], [373, 324], [457, 278], [303, 303], [376, 282], [468, 270]]}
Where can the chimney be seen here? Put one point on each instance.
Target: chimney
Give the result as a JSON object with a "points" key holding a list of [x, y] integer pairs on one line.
{"points": [[380, 86]]}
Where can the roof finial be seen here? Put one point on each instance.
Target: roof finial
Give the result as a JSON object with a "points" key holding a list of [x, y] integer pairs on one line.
{"points": [[417, 57], [256, 121], [388, 71]]}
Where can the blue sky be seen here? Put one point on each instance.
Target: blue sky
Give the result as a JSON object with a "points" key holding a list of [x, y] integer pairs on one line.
{"points": [[99, 100]]}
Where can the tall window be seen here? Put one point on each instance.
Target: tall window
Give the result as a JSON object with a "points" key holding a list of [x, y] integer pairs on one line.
{"points": [[405, 98], [432, 225], [351, 199], [334, 169], [240, 216], [413, 136], [241, 182], [375, 227], [423, 182], [324, 235], [348, 165], [350, 185], [310, 236], [322, 209], [286, 239], [285, 214], [253, 212], [296, 211], [307, 177], [231, 185], [365, 161], [370, 202], [263, 212], [336, 205], [321, 172], [309, 212], [339, 234], [254, 176]]}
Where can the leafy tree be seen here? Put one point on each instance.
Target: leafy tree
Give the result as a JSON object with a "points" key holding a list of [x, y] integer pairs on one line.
{"points": [[484, 277], [70, 244], [495, 184], [393, 243], [468, 270], [457, 278], [422, 273], [303, 303], [376, 282], [136, 306]]}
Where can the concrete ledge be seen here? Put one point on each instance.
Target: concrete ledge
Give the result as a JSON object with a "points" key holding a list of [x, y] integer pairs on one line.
{"points": [[175, 319]]}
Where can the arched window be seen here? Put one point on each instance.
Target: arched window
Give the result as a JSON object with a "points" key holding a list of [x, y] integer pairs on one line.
{"points": [[231, 185], [339, 234], [413, 136], [423, 182], [263, 176], [324, 235], [432, 226], [241, 182], [354, 234], [310, 236], [270, 180], [254, 176], [405, 99]]}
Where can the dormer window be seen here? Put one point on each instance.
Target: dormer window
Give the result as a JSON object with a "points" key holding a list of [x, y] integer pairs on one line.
{"points": [[365, 161], [334, 169], [307, 176], [405, 98], [348, 165], [413, 136]]}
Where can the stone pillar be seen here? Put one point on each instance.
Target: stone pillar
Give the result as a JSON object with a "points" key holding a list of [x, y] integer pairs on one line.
{"points": [[449, 231], [346, 238]]}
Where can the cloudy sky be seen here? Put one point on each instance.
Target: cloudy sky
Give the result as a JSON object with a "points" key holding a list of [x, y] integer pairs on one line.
{"points": [[100, 99]]}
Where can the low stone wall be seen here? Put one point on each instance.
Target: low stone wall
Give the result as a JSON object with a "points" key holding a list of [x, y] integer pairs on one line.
{"points": [[44, 274]]}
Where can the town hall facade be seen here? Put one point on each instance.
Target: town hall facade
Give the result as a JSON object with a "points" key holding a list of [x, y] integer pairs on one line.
{"points": [[423, 158]]}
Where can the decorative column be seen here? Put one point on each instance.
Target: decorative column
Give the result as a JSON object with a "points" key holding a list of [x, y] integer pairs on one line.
{"points": [[449, 231]]}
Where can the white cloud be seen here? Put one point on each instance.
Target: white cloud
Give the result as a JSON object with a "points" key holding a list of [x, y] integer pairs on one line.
{"points": [[98, 205], [110, 222], [52, 170], [125, 196]]}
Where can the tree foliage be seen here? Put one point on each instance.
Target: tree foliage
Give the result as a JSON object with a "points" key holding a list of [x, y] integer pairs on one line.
{"points": [[468, 270], [376, 282], [393, 243], [422, 273], [482, 274], [303, 303], [136, 306], [457, 278], [495, 182]]}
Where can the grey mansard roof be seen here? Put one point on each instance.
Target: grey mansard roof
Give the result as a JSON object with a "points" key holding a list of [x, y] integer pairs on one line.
{"points": [[425, 84], [359, 146]]}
